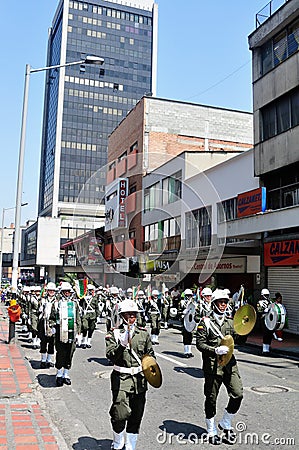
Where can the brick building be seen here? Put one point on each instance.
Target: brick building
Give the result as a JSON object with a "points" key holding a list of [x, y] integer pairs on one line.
{"points": [[155, 131]]}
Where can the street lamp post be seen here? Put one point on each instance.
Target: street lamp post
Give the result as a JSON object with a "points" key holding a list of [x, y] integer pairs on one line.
{"points": [[90, 59]]}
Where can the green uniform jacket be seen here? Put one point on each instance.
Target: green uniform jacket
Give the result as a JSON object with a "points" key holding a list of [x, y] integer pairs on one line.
{"points": [[121, 356], [207, 340]]}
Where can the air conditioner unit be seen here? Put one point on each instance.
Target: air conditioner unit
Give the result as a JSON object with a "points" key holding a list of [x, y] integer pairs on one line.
{"points": [[291, 198]]}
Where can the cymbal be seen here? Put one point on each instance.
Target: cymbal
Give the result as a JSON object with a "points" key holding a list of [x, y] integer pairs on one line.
{"points": [[152, 371], [244, 320], [223, 360]]}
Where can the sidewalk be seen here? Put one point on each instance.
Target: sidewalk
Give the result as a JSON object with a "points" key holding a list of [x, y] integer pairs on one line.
{"points": [[289, 346], [24, 424]]}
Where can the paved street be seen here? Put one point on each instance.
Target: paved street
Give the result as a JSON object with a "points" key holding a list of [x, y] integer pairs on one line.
{"points": [[174, 413]]}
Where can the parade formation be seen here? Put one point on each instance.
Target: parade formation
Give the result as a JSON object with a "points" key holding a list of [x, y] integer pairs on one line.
{"points": [[59, 319]]}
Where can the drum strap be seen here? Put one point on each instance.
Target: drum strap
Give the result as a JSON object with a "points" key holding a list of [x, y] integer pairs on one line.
{"points": [[88, 305], [209, 324], [64, 326], [155, 309]]}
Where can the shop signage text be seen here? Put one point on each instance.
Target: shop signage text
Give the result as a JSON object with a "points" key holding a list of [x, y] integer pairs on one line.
{"points": [[282, 253], [227, 265], [251, 202]]}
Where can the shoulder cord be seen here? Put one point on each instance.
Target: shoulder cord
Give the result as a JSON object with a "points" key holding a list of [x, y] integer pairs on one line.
{"points": [[209, 323]]}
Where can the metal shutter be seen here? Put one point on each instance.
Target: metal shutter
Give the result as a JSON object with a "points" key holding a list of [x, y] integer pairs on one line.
{"points": [[286, 281]]}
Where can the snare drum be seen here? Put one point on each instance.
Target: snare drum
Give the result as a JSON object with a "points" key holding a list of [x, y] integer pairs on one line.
{"points": [[276, 317], [173, 312]]}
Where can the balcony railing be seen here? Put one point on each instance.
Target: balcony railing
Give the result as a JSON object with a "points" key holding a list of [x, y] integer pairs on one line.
{"points": [[267, 11]]}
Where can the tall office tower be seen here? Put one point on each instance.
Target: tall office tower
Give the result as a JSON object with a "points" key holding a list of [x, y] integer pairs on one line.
{"points": [[84, 103]]}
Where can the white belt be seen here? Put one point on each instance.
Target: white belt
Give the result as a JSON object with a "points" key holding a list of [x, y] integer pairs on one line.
{"points": [[129, 370]]}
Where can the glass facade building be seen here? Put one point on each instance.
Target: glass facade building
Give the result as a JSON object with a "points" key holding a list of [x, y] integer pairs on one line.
{"points": [[84, 103]]}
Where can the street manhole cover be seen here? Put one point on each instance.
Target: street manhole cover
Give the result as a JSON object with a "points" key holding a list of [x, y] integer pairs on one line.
{"points": [[269, 389]]}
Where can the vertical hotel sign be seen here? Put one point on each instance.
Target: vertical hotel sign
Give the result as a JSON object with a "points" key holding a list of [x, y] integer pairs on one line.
{"points": [[123, 193], [251, 202]]}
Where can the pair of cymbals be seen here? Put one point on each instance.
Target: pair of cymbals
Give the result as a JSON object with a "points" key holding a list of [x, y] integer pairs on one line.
{"points": [[152, 371], [223, 360], [244, 320]]}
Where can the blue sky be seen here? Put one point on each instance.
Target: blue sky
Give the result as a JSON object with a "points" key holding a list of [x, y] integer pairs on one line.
{"points": [[203, 57]]}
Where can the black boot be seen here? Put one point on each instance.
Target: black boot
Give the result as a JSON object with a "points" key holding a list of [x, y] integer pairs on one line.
{"points": [[214, 440], [59, 381]]}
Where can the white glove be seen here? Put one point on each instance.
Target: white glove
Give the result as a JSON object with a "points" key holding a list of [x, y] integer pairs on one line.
{"points": [[124, 338], [29, 321], [222, 350], [53, 330], [263, 303]]}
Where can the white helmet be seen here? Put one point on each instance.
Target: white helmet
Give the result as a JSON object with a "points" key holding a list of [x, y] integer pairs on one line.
{"points": [[26, 289], [114, 290], [51, 286], [129, 291], [227, 291], [65, 286], [91, 287], [188, 292], [155, 292], [127, 306], [220, 294], [206, 291], [265, 291], [140, 293]]}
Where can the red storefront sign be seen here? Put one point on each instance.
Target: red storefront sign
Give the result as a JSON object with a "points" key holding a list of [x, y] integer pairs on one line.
{"points": [[251, 202], [282, 253]]}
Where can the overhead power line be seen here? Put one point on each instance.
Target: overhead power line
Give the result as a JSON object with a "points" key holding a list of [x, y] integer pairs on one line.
{"points": [[220, 81]]}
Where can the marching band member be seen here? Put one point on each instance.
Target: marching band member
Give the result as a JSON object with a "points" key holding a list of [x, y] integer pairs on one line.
{"points": [[154, 314], [278, 333], [111, 301], [34, 304], [140, 301], [187, 335], [23, 301], [129, 293], [204, 307], [46, 330], [262, 308], [90, 311], [125, 347], [65, 314], [210, 332], [165, 307]]}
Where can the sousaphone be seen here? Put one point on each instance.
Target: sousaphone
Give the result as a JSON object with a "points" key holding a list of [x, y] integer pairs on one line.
{"points": [[244, 320], [189, 321], [152, 371]]}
